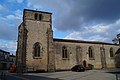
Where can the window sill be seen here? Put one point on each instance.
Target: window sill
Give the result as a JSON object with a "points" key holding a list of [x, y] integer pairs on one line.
{"points": [[37, 58], [65, 58], [111, 57], [91, 58]]}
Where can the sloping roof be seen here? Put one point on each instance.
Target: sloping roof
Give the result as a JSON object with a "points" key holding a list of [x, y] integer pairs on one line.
{"points": [[12, 55], [118, 51], [81, 41], [4, 51]]}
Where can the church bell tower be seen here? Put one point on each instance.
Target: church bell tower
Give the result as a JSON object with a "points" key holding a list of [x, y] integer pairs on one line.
{"points": [[39, 53]]}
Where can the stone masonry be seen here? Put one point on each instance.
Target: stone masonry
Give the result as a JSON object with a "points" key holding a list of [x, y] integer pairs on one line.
{"points": [[49, 56]]}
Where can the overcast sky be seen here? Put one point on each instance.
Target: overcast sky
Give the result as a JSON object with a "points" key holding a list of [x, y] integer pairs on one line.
{"points": [[91, 20]]}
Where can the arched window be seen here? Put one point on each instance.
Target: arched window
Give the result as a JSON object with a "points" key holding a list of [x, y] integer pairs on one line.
{"points": [[40, 17], [36, 50], [64, 52], [111, 52], [91, 52], [36, 15]]}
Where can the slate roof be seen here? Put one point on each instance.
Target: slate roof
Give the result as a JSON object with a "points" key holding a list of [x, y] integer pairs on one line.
{"points": [[118, 51], [82, 41]]}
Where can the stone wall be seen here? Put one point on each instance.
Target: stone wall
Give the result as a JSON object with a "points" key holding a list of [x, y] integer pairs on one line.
{"points": [[40, 30], [67, 64], [37, 32]]}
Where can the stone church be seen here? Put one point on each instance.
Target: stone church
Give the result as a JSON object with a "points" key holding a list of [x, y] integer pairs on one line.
{"points": [[37, 49]]}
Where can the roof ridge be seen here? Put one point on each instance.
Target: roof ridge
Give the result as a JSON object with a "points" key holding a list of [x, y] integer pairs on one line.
{"points": [[82, 41]]}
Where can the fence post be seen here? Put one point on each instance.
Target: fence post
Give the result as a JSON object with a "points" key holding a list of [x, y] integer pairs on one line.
{"points": [[116, 76], [2, 76]]}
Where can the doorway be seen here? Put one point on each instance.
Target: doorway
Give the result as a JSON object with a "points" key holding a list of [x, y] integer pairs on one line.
{"points": [[84, 63], [4, 66]]}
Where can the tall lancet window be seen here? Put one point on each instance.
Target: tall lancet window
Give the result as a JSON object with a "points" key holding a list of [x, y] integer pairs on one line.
{"points": [[36, 49], [36, 16], [111, 52], [64, 52], [91, 52], [40, 17]]}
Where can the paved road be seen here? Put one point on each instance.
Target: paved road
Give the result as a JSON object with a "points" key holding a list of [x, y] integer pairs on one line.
{"points": [[87, 75], [67, 75], [12, 76]]}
